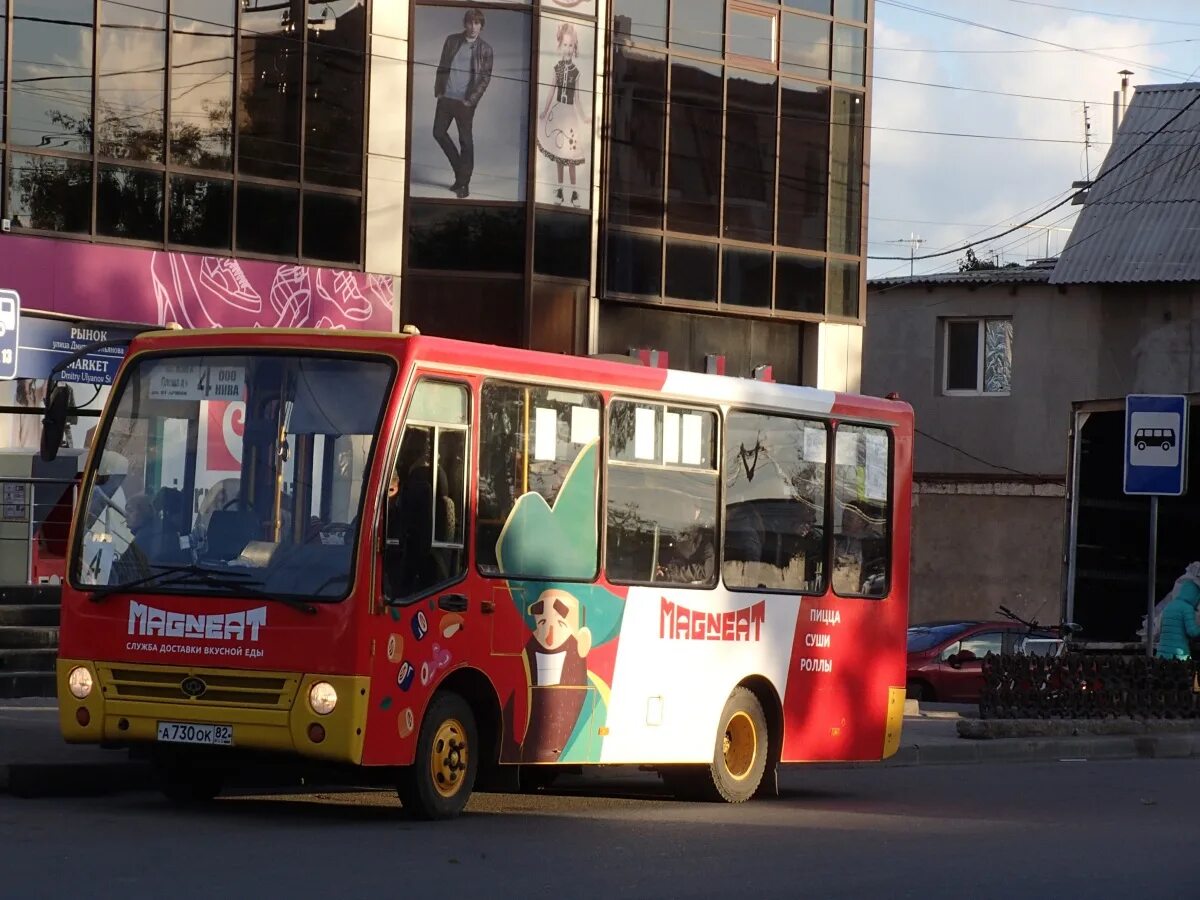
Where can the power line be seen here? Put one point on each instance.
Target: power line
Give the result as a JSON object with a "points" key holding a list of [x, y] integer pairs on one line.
{"points": [[1111, 15], [1103, 174], [909, 7]]}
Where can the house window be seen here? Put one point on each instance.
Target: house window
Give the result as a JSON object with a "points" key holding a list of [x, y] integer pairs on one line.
{"points": [[977, 357]]}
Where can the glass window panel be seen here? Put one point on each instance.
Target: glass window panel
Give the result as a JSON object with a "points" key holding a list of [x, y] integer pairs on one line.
{"points": [[337, 35], [849, 54], [50, 193], [799, 284], [634, 264], [332, 228], [562, 244], [530, 440], [270, 48], [129, 96], [662, 491], [849, 9], [861, 511], [52, 76], [846, 173], [3, 68], [997, 362], [750, 122], [698, 26], [129, 203], [751, 34], [202, 57], [637, 138], [805, 46], [804, 168], [746, 278], [962, 356], [843, 288], [641, 22], [691, 270], [818, 6], [776, 473], [201, 213], [267, 219], [694, 189], [464, 237]]}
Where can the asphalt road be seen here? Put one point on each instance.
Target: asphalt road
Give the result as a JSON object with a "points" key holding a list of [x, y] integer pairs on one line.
{"points": [[1069, 829]]}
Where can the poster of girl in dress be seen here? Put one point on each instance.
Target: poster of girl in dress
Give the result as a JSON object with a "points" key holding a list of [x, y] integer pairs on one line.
{"points": [[566, 67]]}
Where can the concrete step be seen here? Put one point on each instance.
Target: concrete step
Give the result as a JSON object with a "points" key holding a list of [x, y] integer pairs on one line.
{"points": [[26, 684], [38, 659], [20, 637], [24, 595], [40, 614]]}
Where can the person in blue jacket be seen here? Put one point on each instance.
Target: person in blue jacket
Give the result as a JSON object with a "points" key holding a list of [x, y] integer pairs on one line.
{"points": [[1179, 622]]}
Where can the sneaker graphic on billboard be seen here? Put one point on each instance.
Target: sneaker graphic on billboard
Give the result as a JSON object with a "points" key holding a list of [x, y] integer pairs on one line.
{"points": [[341, 288], [291, 296], [380, 288], [225, 278]]}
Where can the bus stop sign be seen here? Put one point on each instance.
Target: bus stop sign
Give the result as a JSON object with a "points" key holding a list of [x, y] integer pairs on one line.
{"points": [[10, 320], [1156, 444]]}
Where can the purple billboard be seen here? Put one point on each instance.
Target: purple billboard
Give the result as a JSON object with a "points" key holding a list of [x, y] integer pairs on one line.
{"points": [[126, 284]]}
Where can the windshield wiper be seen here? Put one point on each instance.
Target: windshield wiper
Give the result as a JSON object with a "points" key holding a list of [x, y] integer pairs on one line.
{"points": [[235, 582]]}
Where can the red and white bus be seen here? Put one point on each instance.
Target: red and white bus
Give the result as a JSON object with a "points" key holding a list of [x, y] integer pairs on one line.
{"points": [[439, 561]]}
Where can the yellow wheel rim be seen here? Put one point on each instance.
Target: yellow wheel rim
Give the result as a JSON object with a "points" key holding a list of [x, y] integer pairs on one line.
{"points": [[740, 745], [448, 758]]}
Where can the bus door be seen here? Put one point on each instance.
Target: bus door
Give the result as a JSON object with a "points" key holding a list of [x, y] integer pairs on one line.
{"points": [[424, 546], [537, 540]]}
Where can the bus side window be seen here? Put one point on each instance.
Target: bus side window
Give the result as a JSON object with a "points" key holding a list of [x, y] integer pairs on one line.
{"points": [[531, 439], [862, 511], [424, 526], [662, 495], [775, 482]]}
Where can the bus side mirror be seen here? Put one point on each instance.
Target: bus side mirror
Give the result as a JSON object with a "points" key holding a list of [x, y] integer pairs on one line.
{"points": [[54, 423]]}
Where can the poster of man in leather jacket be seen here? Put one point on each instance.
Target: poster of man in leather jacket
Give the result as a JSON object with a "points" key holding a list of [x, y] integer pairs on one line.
{"points": [[463, 75], [470, 103]]}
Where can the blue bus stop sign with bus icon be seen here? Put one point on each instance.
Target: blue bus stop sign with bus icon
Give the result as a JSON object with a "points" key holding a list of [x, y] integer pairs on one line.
{"points": [[10, 320], [1156, 427]]}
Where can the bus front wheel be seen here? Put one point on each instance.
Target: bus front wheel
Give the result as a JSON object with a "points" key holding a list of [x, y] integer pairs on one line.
{"points": [[439, 782]]}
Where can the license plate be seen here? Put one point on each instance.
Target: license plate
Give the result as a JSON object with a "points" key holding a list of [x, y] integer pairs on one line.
{"points": [[189, 733]]}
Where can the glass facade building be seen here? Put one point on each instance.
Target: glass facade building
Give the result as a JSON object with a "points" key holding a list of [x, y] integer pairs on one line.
{"points": [[577, 176]]}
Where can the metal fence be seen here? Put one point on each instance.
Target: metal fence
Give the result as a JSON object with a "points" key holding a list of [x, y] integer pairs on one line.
{"points": [[35, 526]]}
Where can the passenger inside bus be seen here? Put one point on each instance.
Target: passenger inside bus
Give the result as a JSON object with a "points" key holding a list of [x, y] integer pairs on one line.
{"points": [[411, 561], [691, 557]]}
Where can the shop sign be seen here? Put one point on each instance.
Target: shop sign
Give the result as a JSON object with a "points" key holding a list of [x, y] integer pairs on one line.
{"points": [[47, 342], [10, 321]]}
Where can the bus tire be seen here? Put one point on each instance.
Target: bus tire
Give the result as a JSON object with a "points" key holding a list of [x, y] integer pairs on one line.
{"points": [[439, 782], [741, 753]]}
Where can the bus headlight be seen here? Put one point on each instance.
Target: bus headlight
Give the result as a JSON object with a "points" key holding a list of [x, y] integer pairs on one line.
{"points": [[79, 682], [322, 698]]}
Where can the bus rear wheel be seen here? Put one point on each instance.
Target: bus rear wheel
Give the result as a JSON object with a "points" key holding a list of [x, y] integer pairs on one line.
{"points": [[439, 782], [739, 758]]}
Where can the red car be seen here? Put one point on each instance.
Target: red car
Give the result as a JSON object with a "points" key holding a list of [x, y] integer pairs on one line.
{"points": [[945, 659]]}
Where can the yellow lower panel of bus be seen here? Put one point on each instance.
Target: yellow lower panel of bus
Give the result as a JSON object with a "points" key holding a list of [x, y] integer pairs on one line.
{"points": [[895, 721], [266, 710]]}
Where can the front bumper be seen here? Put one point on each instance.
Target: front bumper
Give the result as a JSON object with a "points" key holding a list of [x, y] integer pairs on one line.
{"points": [[268, 711]]}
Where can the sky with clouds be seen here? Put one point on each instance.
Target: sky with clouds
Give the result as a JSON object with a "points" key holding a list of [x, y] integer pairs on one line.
{"points": [[947, 189]]}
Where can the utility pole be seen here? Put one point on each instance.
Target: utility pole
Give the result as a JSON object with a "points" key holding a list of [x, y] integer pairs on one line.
{"points": [[1087, 141], [913, 243]]}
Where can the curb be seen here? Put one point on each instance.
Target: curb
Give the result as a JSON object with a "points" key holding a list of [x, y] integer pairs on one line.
{"points": [[1159, 746]]}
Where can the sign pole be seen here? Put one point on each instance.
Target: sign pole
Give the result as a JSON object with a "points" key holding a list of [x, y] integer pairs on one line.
{"points": [[1151, 599]]}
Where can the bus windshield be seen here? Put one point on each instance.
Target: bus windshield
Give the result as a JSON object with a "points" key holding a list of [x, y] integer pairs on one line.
{"points": [[233, 472]]}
